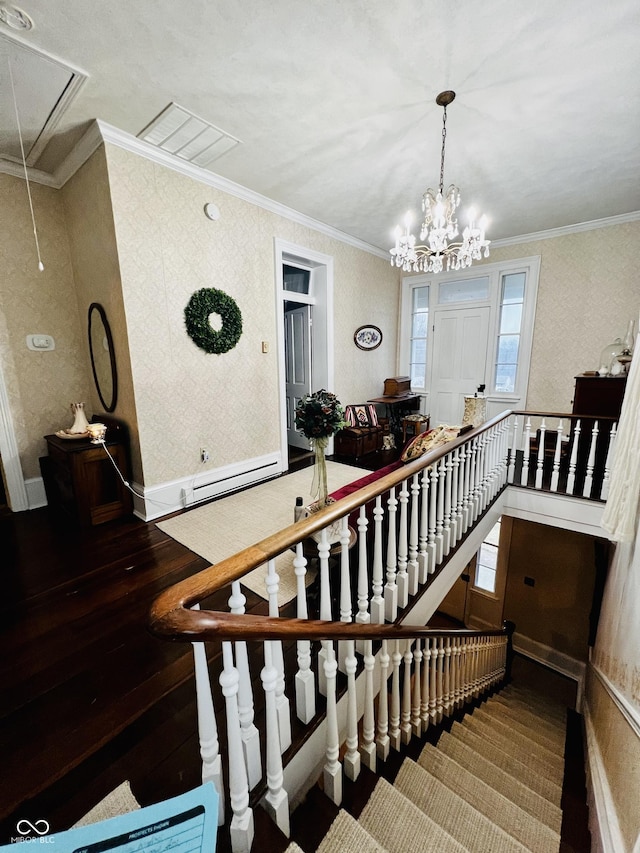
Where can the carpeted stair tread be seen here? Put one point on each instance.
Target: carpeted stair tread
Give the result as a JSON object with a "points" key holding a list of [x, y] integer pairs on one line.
{"points": [[532, 777], [521, 713], [454, 814], [293, 848], [528, 817], [535, 700], [346, 834], [400, 827], [520, 747], [495, 718]]}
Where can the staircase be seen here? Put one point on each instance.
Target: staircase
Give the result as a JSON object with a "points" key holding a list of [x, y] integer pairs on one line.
{"points": [[491, 784]]}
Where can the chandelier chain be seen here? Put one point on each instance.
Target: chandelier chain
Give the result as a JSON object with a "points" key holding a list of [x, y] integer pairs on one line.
{"points": [[444, 139]]}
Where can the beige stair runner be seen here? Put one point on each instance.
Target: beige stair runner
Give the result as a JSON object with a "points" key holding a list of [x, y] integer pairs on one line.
{"points": [[492, 785]]}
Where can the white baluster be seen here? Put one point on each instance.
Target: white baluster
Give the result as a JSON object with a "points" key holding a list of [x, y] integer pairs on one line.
{"points": [[604, 491], [456, 531], [416, 699], [305, 680], [382, 738], [272, 582], [440, 512], [241, 828], [368, 746], [405, 725], [446, 679], [439, 680], [403, 548], [352, 756], [571, 479], [207, 726], [468, 483], [588, 480], [513, 432], [362, 616], [446, 524], [394, 712], [423, 556], [325, 606], [276, 800], [412, 566], [526, 449], [345, 589], [432, 548], [332, 774], [540, 460], [456, 668], [377, 601], [391, 587], [250, 734], [555, 474], [425, 698]]}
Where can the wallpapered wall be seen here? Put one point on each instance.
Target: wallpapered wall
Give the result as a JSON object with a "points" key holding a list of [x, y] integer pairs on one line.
{"points": [[185, 398], [40, 385]]}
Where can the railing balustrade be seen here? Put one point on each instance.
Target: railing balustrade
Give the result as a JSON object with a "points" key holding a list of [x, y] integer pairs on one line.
{"points": [[406, 525]]}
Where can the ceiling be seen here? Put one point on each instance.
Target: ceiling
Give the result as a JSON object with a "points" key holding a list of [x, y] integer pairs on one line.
{"points": [[333, 101]]}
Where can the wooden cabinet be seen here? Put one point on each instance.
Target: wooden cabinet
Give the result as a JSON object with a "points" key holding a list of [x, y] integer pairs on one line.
{"points": [[599, 395], [80, 479]]}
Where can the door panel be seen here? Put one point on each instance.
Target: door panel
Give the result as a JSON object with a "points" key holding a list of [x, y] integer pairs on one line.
{"points": [[460, 341], [297, 350]]}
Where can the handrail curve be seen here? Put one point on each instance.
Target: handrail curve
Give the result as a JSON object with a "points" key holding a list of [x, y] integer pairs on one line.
{"points": [[172, 618]]}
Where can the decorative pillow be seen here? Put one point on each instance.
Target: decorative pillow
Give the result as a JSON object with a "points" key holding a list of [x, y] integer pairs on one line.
{"points": [[426, 441], [361, 415]]}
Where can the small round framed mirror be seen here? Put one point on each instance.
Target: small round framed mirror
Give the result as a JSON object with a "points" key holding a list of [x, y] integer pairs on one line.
{"points": [[103, 357]]}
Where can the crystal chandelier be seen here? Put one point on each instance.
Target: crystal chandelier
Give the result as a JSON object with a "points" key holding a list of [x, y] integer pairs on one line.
{"points": [[440, 226]]}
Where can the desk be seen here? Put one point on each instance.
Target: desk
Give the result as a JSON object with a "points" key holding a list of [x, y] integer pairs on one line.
{"points": [[396, 408], [80, 479]]}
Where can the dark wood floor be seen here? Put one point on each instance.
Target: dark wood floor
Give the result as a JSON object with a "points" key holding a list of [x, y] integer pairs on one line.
{"points": [[89, 697]]}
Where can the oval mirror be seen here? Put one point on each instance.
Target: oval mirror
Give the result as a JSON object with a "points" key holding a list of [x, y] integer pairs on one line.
{"points": [[103, 357]]}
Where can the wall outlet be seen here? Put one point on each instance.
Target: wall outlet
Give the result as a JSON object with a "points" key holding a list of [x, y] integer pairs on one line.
{"points": [[204, 454]]}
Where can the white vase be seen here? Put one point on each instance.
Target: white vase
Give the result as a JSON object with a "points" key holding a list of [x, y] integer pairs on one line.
{"points": [[80, 423]]}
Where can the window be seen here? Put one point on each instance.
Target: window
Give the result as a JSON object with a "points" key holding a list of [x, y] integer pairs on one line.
{"points": [[295, 280], [466, 290], [419, 335], [487, 561], [509, 331]]}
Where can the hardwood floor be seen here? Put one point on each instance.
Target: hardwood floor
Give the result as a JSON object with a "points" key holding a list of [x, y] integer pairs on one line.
{"points": [[89, 698]]}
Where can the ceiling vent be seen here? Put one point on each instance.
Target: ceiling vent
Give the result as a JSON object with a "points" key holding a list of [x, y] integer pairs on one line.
{"points": [[178, 131]]}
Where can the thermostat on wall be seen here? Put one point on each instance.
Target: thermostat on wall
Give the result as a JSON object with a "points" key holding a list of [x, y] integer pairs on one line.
{"points": [[41, 343]]}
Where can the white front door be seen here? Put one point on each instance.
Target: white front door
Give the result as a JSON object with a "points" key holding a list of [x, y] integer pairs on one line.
{"points": [[297, 350], [460, 339]]}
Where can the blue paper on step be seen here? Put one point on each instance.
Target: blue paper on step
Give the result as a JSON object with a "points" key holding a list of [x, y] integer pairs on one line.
{"points": [[184, 824]]}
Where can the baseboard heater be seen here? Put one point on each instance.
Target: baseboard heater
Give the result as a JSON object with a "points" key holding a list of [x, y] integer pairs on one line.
{"points": [[230, 482]]}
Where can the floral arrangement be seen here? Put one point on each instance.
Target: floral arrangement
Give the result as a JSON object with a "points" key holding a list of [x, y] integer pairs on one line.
{"points": [[318, 416]]}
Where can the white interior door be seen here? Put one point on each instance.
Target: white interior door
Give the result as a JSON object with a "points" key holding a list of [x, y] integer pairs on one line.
{"points": [[297, 350], [460, 339]]}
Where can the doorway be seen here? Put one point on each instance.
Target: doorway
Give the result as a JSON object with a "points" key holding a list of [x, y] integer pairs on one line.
{"points": [[304, 310]]}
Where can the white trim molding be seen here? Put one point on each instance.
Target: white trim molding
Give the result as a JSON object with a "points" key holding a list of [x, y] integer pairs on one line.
{"points": [[555, 510], [604, 826], [552, 658], [627, 710]]}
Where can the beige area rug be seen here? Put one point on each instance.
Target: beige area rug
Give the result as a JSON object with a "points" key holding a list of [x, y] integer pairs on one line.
{"points": [[222, 528]]}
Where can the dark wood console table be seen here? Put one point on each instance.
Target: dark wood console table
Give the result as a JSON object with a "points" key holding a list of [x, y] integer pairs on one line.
{"points": [[80, 479], [396, 408]]}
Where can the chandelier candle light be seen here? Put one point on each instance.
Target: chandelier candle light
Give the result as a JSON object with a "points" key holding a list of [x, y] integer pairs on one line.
{"points": [[440, 226]]}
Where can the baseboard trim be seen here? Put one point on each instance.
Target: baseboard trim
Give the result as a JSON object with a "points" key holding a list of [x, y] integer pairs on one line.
{"points": [[603, 820], [558, 661], [155, 502], [36, 495]]}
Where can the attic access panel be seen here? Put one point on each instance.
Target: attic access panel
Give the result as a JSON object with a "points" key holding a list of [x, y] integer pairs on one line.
{"points": [[44, 85]]}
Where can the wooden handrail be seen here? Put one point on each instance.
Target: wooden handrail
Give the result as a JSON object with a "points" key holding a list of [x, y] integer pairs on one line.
{"points": [[171, 614], [564, 415]]}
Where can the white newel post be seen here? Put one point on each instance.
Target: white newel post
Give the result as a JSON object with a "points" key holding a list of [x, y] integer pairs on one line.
{"points": [[368, 746], [377, 579], [276, 801], [272, 582], [352, 756], [250, 734], [332, 774], [391, 587], [241, 828], [403, 547], [305, 680], [207, 726]]}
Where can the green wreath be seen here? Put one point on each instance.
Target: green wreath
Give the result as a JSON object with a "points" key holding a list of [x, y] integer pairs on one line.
{"points": [[211, 301]]}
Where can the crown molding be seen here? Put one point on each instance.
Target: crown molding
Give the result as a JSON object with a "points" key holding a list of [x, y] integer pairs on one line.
{"points": [[620, 219], [88, 143]]}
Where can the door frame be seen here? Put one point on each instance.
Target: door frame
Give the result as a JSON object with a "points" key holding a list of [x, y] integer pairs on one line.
{"points": [[13, 476], [322, 337]]}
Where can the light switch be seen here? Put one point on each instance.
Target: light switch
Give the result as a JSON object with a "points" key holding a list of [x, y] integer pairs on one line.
{"points": [[41, 343]]}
